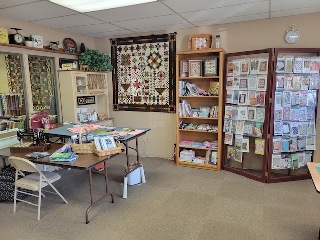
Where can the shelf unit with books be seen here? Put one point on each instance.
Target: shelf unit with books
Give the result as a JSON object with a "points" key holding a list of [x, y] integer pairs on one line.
{"points": [[199, 104]]}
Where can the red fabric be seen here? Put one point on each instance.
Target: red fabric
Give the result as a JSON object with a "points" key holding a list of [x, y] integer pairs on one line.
{"points": [[84, 128]]}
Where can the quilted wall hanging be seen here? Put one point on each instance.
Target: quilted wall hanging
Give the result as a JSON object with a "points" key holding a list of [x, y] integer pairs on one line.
{"points": [[144, 73]]}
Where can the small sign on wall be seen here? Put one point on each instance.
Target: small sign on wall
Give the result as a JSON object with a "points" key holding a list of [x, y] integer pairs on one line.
{"points": [[86, 100], [4, 35]]}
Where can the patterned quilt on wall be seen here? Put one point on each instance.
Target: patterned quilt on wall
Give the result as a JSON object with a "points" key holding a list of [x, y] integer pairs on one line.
{"points": [[144, 73]]}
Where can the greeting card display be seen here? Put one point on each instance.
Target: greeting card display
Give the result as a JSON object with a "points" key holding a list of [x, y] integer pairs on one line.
{"points": [[295, 98], [272, 110], [246, 86]]}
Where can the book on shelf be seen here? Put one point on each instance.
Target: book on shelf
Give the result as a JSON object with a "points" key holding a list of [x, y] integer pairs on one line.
{"points": [[204, 111]]}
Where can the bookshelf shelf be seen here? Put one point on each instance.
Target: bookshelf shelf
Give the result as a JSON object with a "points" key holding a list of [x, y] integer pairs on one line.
{"points": [[199, 148], [202, 131], [199, 103], [200, 78], [203, 118], [198, 165], [198, 96]]}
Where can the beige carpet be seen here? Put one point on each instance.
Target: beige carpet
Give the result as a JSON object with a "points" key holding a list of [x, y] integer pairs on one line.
{"points": [[175, 203]]}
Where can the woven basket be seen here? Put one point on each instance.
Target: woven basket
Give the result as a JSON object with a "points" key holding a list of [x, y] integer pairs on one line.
{"points": [[200, 41], [108, 152], [82, 148]]}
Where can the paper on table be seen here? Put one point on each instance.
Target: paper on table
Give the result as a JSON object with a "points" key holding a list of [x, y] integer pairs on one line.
{"points": [[135, 132], [318, 169]]}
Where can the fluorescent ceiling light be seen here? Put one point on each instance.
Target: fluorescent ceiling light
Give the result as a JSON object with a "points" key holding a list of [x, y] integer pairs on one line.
{"points": [[95, 5]]}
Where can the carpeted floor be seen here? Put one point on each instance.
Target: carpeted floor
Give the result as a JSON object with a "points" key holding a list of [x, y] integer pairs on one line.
{"points": [[175, 203]]}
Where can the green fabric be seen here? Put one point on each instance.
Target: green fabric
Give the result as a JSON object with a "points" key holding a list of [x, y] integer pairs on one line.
{"points": [[61, 155]]}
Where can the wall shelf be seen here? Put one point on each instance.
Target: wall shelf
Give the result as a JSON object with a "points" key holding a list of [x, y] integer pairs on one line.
{"points": [[38, 49]]}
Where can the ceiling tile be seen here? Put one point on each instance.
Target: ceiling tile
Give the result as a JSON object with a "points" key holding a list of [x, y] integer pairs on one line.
{"points": [[132, 12], [233, 19], [93, 28], [163, 27], [111, 34], [291, 12], [225, 12], [150, 22], [190, 5], [277, 5], [4, 4], [68, 21], [36, 11]]}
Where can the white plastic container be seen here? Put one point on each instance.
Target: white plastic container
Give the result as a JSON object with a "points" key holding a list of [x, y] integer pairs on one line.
{"points": [[134, 177]]}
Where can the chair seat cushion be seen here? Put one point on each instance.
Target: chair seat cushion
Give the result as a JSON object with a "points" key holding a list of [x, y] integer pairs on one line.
{"points": [[31, 182]]}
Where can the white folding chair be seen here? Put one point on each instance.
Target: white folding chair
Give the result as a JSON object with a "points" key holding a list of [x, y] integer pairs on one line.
{"points": [[33, 182]]}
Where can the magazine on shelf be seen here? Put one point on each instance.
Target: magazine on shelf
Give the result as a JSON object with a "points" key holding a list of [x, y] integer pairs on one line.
{"points": [[280, 64], [254, 66], [244, 66], [252, 83], [245, 144], [280, 82], [297, 67], [288, 68], [263, 66]]}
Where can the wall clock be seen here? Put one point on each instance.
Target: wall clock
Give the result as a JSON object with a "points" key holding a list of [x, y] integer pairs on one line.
{"points": [[292, 35]]}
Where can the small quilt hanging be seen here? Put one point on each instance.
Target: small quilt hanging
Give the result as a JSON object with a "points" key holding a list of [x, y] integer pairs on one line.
{"points": [[144, 73]]}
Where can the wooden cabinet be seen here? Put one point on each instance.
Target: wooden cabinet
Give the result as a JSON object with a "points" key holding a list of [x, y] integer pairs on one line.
{"points": [[89, 83], [199, 114], [82, 90]]}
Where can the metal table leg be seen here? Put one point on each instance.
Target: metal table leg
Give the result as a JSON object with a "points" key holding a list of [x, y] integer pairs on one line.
{"points": [[93, 203]]}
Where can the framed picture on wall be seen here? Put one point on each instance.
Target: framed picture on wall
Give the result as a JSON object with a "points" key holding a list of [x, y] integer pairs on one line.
{"points": [[195, 68]]}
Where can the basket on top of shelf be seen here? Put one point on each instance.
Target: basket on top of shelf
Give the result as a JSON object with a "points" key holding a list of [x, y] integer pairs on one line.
{"points": [[200, 41], [108, 152], [82, 148]]}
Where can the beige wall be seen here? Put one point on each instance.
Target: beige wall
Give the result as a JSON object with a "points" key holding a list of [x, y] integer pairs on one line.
{"points": [[49, 34], [4, 88], [235, 37]]}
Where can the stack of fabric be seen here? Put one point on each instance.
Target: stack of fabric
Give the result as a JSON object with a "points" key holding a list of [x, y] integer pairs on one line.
{"points": [[63, 154]]}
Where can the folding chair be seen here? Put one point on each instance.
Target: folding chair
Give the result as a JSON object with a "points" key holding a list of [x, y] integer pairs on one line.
{"points": [[33, 182]]}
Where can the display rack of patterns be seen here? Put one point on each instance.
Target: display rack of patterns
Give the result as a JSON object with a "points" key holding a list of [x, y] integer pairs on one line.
{"points": [[293, 116], [270, 113], [246, 123], [10, 105]]}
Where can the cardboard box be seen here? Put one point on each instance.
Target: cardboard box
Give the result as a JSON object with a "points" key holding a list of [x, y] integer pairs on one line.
{"points": [[67, 66], [4, 36]]}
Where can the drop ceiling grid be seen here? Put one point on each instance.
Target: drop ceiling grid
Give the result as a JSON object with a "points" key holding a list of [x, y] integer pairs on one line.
{"points": [[155, 16]]}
